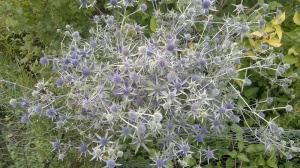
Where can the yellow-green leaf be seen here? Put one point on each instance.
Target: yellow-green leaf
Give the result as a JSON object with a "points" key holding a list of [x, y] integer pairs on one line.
{"points": [[293, 51], [274, 42], [278, 31], [153, 24], [278, 19], [257, 34], [296, 18], [251, 55]]}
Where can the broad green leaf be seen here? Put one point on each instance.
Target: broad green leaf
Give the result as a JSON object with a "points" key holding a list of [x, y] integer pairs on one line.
{"points": [[260, 160], [10, 22], [230, 163], [255, 148], [243, 157], [190, 161], [294, 35], [272, 161], [289, 164], [274, 5], [153, 24], [290, 59], [237, 129], [251, 92], [293, 50], [296, 18], [241, 145], [239, 137], [232, 154]]}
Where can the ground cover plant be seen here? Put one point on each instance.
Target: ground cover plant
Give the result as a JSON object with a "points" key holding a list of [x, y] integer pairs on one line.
{"points": [[184, 94]]}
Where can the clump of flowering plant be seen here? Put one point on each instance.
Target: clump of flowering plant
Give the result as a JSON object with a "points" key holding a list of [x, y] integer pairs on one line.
{"points": [[127, 89]]}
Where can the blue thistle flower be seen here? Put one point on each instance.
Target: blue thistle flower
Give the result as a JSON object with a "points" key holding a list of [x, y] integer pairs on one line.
{"points": [[281, 70], [25, 118], [162, 63], [74, 56], [126, 130], [209, 154], [56, 145], [86, 72], [160, 163], [117, 79], [230, 106], [59, 82], [72, 48], [93, 43], [143, 7], [83, 148], [75, 62], [118, 33], [200, 138], [141, 128], [113, 2], [149, 52], [264, 46], [103, 141], [38, 108], [75, 34], [82, 53], [170, 46], [51, 113], [44, 60], [66, 60], [202, 62], [269, 100], [172, 76], [25, 103], [184, 149]]}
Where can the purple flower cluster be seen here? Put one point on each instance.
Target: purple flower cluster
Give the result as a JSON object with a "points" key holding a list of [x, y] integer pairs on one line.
{"points": [[123, 87]]}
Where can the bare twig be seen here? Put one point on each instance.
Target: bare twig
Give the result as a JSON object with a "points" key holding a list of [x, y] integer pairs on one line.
{"points": [[221, 6], [252, 9]]}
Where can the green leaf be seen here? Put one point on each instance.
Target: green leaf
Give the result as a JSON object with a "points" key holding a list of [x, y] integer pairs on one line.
{"points": [[272, 161], [290, 59], [153, 24], [293, 50], [241, 145], [153, 151], [260, 160], [293, 35], [237, 129], [251, 92], [255, 148], [274, 5], [10, 22], [230, 163], [296, 18], [239, 137], [289, 165], [190, 161], [243, 157], [232, 154]]}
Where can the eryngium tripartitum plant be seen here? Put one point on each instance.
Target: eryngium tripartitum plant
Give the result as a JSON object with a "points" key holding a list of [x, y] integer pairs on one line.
{"points": [[168, 91]]}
